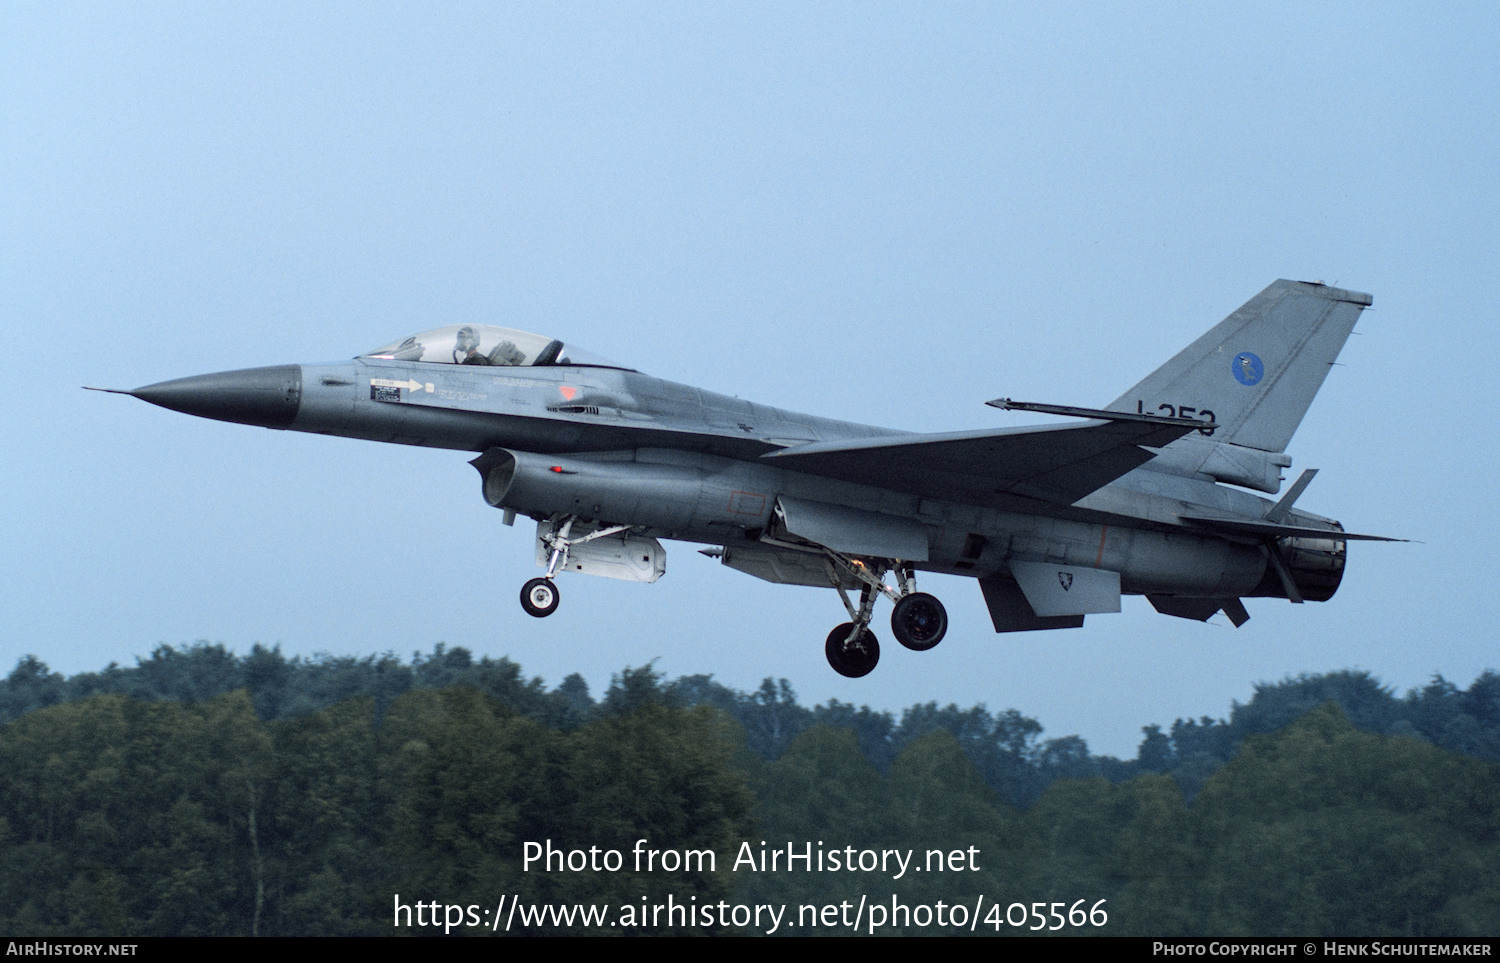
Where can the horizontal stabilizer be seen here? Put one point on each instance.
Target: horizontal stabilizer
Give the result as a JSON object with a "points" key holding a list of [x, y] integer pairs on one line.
{"points": [[1261, 529]]}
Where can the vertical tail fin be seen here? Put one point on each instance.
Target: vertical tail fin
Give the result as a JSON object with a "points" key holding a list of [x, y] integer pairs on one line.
{"points": [[1255, 373]]}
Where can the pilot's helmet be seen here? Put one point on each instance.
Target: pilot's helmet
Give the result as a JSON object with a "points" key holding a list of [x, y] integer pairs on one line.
{"points": [[467, 340]]}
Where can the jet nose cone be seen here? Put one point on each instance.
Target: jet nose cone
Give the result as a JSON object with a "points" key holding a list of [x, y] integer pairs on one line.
{"points": [[268, 397]]}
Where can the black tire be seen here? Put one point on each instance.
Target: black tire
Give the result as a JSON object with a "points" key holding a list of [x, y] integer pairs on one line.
{"points": [[856, 659], [919, 621], [539, 597]]}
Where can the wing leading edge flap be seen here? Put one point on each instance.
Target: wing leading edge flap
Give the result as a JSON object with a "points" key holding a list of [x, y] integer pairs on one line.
{"points": [[1059, 464]]}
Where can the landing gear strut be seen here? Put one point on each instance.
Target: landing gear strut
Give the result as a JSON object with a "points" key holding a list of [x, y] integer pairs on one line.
{"points": [[539, 597], [918, 621]]}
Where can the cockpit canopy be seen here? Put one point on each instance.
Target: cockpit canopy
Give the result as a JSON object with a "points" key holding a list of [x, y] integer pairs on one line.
{"points": [[485, 344]]}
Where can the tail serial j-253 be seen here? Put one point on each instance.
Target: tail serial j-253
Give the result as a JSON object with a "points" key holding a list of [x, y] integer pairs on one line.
{"points": [[1146, 496]]}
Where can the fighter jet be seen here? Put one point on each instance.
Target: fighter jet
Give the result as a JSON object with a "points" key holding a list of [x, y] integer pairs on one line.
{"points": [[1151, 495]]}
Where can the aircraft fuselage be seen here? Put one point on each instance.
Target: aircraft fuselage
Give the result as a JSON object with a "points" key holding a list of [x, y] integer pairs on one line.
{"points": [[1148, 496], [682, 463]]}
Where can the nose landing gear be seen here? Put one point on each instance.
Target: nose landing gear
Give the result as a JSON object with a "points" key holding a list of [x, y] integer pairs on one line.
{"points": [[539, 597]]}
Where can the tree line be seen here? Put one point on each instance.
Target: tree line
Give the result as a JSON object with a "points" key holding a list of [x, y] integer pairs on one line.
{"points": [[1006, 747], [211, 794]]}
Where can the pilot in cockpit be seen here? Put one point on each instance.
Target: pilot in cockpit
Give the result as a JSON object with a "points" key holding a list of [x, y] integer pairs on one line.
{"points": [[466, 348]]}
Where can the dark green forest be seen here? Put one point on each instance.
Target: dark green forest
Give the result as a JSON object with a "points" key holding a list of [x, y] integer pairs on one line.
{"points": [[204, 793]]}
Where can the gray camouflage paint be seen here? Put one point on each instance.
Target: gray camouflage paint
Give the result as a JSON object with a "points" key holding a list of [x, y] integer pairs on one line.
{"points": [[1055, 521]]}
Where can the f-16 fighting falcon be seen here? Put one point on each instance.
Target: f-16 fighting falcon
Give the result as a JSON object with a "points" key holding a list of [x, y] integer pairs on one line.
{"points": [[1150, 495]]}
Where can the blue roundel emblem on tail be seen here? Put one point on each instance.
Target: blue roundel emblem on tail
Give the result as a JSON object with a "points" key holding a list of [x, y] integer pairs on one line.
{"points": [[1247, 368]]}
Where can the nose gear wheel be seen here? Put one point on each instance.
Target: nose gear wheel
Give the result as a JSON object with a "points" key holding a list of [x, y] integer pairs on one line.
{"points": [[539, 597]]}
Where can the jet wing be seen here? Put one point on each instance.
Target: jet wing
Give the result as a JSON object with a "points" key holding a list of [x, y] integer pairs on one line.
{"points": [[1058, 464]]}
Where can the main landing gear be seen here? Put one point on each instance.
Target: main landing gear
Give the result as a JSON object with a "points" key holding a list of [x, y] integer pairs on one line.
{"points": [[852, 652], [918, 621]]}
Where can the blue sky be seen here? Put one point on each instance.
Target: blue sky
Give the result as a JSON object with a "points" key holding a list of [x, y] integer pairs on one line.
{"points": [[886, 213]]}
